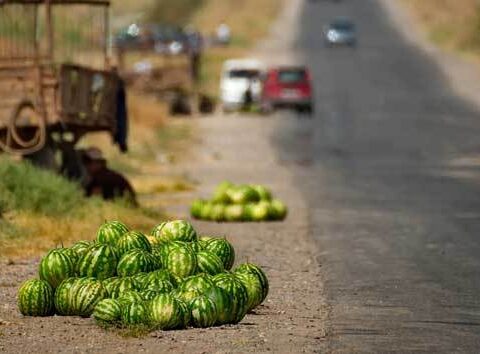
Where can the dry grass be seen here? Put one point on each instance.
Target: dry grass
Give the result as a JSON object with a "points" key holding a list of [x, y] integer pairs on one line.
{"points": [[453, 24]]}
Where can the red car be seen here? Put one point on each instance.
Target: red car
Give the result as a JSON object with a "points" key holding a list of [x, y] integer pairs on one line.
{"points": [[288, 87]]}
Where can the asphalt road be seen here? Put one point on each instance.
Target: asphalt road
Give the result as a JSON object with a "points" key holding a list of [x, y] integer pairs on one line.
{"points": [[389, 166]]}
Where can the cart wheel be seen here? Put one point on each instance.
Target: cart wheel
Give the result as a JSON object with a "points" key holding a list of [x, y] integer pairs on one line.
{"points": [[27, 126]]}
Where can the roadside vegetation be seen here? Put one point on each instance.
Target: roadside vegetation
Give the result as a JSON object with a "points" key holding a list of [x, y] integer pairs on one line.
{"points": [[451, 24]]}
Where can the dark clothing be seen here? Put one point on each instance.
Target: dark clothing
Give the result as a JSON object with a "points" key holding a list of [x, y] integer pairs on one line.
{"points": [[110, 185], [121, 134]]}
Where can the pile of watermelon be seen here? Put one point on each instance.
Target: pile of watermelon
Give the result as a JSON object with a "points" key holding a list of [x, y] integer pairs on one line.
{"points": [[239, 203], [171, 279]]}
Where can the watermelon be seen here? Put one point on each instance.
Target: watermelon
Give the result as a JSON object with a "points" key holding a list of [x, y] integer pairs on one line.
{"points": [[166, 247], [196, 208], [81, 247], [185, 315], [203, 312], [200, 282], [35, 298], [164, 312], [264, 193], [278, 210], [223, 303], [110, 232], [140, 280], [220, 195], [218, 213], [134, 313], [206, 211], [185, 295], [159, 285], [117, 286], [259, 273], [63, 298], [243, 194], [148, 295], [132, 240], [107, 311], [177, 230], [223, 250], [129, 296], [235, 213], [254, 289], [56, 266], [209, 263], [157, 276], [157, 256], [238, 293], [86, 296], [99, 262], [181, 261], [135, 261], [258, 211]]}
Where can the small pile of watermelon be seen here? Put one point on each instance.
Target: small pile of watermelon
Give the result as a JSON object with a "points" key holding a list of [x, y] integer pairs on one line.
{"points": [[171, 279], [239, 203]]}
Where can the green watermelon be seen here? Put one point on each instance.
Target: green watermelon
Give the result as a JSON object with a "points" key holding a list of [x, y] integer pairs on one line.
{"points": [[107, 311], [35, 298], [81, 247], [185, 315], [218, 213], [223, 250], [110, 232], [130, 296], [278, 210], [186, 295], [259, 273], [243, 194], [64, 297], [134, 313], [100, 262], [254, 289], [164, 312], [140, 280], [157, 256], [258, 212], [220, 195], [177, 230], [132, 240], [196, 208], [209, 263], [158, 276], [135, 261], [203, 312], [235, 213], [238, 293], [117, 286], [206, 211], [264, 193], [148, 295], [56, 266], [181, 261], [223, 303], [159, 285], [87, 296], [200, 282]]}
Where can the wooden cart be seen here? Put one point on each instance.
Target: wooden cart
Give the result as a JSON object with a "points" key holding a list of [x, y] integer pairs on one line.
{"points": [[55, 81]]}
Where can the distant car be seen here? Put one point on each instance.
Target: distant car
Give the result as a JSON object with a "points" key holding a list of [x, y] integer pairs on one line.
{"points": [[240, 76], [289, 87], [341, 31]]}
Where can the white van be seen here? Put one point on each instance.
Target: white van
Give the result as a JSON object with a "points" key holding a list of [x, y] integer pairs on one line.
{"points": [[239, 76]]}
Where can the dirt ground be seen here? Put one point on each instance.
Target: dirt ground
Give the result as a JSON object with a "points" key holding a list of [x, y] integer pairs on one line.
{"points": [[292, 318]]}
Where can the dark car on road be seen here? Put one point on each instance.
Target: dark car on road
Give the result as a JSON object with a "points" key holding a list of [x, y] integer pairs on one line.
{"points": [[341, 31], [287, 87]]}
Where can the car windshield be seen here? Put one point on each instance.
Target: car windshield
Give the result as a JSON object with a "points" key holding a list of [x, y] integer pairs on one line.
{"points": [[291, 76], [343, 26], [243, 74]]}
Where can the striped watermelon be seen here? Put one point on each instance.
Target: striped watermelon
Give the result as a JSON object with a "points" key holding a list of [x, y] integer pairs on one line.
{"points": [[203, 312], [177, 230], [223, 303], [148, 295], [117, 286], [81, 247], [259, 273], [185, 315], [209, 263], [166, 247], [159, 285], [253, 287], [237, 292], [223, 250], [64, 297], [200, 282], [165, 312], [134, 313], [56, 266], [107, 311], [35, 298], [158, 275], [264, 193], [181, 261], [129, 296], [132, 240], [157, 257], [203, 240], [185, 295], [140, 280], [196, 208], [110, 232], [135, 261], [87, 296], [100, 262]]}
